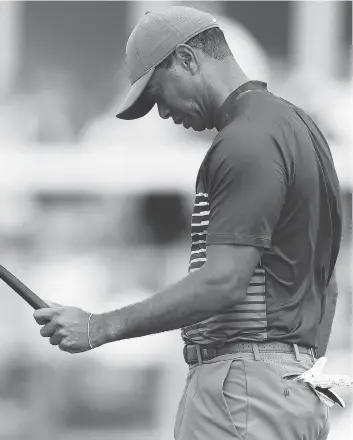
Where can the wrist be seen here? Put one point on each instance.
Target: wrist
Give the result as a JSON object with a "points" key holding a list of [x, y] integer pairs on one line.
{"points": [[98, 331]]}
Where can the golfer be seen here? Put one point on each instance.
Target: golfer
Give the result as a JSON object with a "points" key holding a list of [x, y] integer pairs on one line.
{"points": [[265, 230]]}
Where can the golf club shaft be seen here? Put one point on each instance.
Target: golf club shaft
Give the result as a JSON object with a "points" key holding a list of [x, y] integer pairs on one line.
{"points": [[30, 297]]}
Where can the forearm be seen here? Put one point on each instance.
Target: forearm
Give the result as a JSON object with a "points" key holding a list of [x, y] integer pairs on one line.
{"points": [[189, 301]]}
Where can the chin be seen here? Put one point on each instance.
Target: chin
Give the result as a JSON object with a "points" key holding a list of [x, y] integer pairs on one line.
{"points": [[199, 128]]}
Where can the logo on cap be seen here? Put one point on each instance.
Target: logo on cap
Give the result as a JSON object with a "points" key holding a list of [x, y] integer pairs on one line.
{"points": [[214, 20]]}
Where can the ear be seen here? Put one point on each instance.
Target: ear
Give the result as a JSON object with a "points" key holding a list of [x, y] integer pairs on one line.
{"points": [[187, 58]]}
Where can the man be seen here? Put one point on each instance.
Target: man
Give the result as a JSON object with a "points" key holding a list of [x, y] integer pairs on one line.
{"points": [[265, 237]]}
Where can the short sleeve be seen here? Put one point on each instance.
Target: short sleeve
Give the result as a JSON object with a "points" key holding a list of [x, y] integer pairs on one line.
{"points": [[246, 189]]}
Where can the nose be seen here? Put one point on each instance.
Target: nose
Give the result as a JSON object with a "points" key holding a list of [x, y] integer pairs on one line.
{"points": [[163, 111]]}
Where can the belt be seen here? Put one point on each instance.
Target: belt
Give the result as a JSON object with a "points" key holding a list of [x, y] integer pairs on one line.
{"points": [[198, 353]]}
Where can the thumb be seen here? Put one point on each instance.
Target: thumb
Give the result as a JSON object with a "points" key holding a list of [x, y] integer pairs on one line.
{"points": [[52, 304]]}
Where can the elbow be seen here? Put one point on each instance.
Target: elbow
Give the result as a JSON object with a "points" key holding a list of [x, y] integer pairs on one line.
{"points": [[234, 292], [230, 290]]}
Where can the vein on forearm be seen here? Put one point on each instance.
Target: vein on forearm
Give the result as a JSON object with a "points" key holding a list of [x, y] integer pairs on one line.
{"points": [[189, 301]]}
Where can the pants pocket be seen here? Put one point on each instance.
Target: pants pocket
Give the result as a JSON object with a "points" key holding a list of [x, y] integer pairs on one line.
{"points": [[288, 381], [234, 396], [315, 409]]}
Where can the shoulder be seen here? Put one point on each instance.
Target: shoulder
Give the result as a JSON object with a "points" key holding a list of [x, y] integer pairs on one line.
{"points": [[263, 134], [244, 141]]}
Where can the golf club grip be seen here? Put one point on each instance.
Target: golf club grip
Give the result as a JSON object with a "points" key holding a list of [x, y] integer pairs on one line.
{"points": [[30, 297]]}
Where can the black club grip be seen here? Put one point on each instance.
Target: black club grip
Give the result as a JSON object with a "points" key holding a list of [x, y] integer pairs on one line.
{"points": [[30, 297]]}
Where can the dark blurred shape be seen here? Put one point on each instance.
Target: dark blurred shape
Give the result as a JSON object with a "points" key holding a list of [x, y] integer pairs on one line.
{"points": [[74, 218], [347, 22], [259, 17], [15, 383], [347, 216], [87, 39], [112, 398], [164, 216]]}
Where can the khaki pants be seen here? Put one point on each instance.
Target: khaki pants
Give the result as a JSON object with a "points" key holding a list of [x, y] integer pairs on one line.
{"points": [[237, 397]]}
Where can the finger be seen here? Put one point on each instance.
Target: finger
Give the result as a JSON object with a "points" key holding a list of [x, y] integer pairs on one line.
{"points": [[68, 347], [42, 316], [48, 330], [64, 346], [55, 339]]}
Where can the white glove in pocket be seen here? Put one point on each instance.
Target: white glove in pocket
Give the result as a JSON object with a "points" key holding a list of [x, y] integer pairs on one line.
{"points": [[321, 383]]}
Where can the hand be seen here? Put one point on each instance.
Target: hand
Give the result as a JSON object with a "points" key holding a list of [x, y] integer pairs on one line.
{"points": [[66, 327]]}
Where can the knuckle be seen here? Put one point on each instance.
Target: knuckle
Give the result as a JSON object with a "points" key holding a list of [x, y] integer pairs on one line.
{"points": [[63, 347], [60, 332], [64, 344]]}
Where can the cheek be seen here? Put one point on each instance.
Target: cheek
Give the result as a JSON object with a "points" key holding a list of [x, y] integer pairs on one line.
{"points": [[179, 98], [178, 94]]}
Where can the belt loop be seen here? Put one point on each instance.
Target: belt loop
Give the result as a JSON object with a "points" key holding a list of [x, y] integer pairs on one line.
{"points": [[256, 351], [198, 353], [296, 351]]}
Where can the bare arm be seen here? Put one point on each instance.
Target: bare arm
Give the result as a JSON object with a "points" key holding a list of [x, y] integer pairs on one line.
{"points": [[221, 282]]}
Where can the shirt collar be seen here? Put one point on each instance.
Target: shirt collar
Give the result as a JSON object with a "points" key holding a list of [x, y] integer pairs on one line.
{"points": [[226, 112]]}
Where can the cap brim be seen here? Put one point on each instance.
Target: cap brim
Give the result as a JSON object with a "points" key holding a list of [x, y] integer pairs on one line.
{"points": [[135, 104]]}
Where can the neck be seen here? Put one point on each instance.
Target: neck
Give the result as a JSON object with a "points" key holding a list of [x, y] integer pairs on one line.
{"points": [[226, 78]]}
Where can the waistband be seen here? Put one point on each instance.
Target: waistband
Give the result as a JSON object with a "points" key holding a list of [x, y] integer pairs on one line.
{"points": [[197, 354]]}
